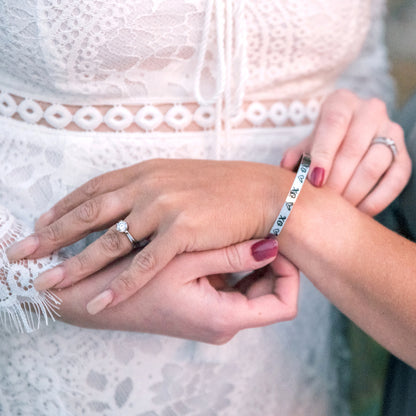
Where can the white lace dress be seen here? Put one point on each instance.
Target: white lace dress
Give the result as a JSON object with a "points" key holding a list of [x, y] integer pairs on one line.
{"points": [[87, 86]]}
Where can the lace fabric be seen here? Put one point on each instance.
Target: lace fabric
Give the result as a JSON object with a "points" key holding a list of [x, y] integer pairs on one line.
{"points": [[150, 118], [118, 52], [21, 306], [145, 52]]}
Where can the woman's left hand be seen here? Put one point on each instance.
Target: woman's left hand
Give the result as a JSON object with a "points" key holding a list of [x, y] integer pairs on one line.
{"points": [[182, 205], [344, 157]]}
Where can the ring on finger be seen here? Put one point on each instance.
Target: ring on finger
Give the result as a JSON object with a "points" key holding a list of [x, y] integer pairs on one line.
{"points": [[387, 141], [123, 227]]}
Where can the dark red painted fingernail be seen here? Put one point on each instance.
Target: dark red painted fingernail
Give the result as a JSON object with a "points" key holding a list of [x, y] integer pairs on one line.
{"points": [[317, 177], [264, 249]]}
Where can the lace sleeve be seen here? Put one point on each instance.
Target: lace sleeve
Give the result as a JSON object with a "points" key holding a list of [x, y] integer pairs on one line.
{"points": [[22, 308], [369, 75]]}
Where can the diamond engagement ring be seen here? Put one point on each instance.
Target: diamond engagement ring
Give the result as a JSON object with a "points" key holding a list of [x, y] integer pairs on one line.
{"points": [[123, 227], [387, 142]]}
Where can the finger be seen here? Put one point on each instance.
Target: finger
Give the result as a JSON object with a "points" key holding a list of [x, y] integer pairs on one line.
{"points": [[160, 251], [368, 178], [278, 306], [103, 251], [287, 285], [332, 126], [93, 215], [292, 156], [242, 257], [99, 185], [363, 128], [264, 282], [392, 183]]}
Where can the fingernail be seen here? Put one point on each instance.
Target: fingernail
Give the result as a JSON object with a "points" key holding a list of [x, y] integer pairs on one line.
{"points": [[100, 302], [317, 177], [23, 248], [282, 162], [49, 279], [264, 249], [44, 219]]}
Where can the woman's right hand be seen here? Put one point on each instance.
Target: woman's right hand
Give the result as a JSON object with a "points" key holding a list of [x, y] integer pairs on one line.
{"points": [[184, 301], [344, 157]]}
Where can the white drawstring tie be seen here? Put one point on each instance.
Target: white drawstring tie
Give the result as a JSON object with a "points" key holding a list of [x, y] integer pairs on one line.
{"points": [[231, 68]]}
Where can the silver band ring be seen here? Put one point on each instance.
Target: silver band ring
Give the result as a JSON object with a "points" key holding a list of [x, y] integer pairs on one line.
{"points": [[123, 227], [387, 142]]}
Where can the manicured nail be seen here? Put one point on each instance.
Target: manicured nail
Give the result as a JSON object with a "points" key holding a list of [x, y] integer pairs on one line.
{"points": [[317, 177], [23, 248], [49, 279], [100, 302], [264, 249], [44, 219]]}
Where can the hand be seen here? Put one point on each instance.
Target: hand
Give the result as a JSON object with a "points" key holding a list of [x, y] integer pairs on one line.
{"points": [[343, 157], [181, 302], [184, 205]]}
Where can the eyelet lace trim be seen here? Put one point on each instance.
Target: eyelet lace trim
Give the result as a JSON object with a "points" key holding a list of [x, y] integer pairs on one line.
{"points": [[148, 118]]}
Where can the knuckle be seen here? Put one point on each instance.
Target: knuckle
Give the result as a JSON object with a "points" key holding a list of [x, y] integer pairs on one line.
{"points": [[335, 118], [343, 94], [88, 211], [377, 105], [78, 264], [111, 242], [54, 232], [93, 186], [396, 131], [164, 202], [233, 258], [144, 262], [125, 283], [322, 156]]}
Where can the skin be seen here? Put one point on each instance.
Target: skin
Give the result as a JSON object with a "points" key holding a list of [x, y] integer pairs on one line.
{"points": [[190, 297], [364, 269], [365, 175], [326, 236]]}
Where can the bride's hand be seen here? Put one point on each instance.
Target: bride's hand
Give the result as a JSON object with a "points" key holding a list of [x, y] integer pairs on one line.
{"points": [[180, 301], [343, 157], [183, 205]]}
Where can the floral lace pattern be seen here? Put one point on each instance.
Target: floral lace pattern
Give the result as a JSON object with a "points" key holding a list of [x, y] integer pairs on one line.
{"points": [[114, 52], [92, 53]]}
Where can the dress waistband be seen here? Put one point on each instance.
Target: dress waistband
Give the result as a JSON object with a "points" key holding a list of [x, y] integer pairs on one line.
{"points": [[169, 117]]}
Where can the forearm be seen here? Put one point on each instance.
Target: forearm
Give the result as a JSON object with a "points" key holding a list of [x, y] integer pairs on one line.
{"points": [[366, 270]]}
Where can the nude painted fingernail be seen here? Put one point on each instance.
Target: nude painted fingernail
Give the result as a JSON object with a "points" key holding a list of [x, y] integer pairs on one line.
{"points": [[264, 249], [49, 279], [317, 177], [44, 220], [23, 248], [100, 302]]}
